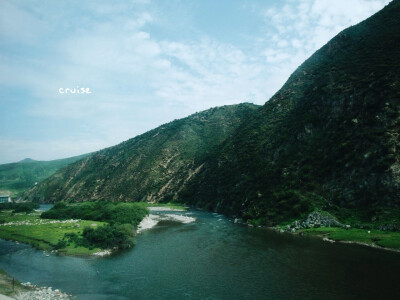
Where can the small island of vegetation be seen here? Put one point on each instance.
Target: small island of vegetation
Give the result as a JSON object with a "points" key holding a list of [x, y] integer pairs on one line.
{"points": [[74, 229]]}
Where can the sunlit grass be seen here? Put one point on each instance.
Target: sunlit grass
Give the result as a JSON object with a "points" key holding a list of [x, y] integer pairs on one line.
{"points": [[44, 236], [168, 205], [385, 239]]}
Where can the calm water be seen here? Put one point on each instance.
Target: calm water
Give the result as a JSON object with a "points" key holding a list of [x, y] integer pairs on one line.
{"points": [[213, 258], [44, 207]]}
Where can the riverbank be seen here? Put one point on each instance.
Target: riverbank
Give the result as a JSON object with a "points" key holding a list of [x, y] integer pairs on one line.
{"points": [[63, 236], [81, 229], [152, 220], [222, 258], [44, 234], [383, 235], [324, 225], [334, 231], [385, 240], [11, 288]]}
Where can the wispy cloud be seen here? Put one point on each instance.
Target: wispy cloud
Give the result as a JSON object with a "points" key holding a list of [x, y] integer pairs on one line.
{"points": [[140, 78], [297, 29]]}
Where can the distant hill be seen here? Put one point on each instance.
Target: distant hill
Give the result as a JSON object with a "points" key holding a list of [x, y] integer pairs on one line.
{"points": [[20, 176], [27, 160], [153, 166]]}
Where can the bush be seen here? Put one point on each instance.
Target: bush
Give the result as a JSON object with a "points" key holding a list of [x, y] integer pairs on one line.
{"points": [[109, 236], [59, 205], [105, 237], [119, 233], [25, 207], [61, 244], [113, 213], [19, 207]]}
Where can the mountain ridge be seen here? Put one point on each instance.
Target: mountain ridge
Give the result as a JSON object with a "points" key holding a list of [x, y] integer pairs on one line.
{"points": [[18, 176], [149, 167], [316, 144], [327, 140]]}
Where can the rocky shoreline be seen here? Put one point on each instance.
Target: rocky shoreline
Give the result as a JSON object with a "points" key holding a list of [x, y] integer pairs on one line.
{"points": [[315, 219], [42, 293], [152, 220], [12, 289], [321, 219]]}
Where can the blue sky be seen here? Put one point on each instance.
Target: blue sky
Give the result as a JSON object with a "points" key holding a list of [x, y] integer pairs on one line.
{"points": [[146, 63]]}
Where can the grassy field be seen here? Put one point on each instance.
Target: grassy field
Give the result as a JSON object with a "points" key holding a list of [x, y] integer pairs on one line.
{"points": [[168, 205], [384, 239], [43, 234]]}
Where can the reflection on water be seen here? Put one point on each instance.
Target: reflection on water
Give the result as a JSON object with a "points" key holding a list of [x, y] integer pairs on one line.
{"points": [[213, 258]]}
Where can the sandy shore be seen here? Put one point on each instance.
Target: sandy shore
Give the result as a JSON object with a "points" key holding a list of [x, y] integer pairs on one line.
{"points": [[103, 253], [152, 220]]}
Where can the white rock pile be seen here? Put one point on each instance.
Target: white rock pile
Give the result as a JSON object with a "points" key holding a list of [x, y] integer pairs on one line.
{"points": [[39, 222], [152, 220], [43, 293]]}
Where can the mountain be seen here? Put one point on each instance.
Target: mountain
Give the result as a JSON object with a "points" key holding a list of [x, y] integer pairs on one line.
{"points": [[26, 160], [328, 139], [20, 176], [153, 166]]}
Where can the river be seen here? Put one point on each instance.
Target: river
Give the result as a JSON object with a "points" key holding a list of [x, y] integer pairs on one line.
{"points": [[213, 258]]}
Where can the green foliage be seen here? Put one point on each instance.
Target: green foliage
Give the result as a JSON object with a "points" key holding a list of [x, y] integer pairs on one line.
{"points": [[123, 213], [109, 236], [43, 235], [60, 245], [105, 237], [369, 237], [119, 233], [19, 207]]}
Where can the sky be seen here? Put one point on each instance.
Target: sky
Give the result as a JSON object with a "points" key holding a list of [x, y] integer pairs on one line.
{"points": [[146, 63]]}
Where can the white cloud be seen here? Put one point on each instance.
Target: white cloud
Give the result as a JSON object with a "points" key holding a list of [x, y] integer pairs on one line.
{"points": [[308, 25], [139, 80], [123, 64]]}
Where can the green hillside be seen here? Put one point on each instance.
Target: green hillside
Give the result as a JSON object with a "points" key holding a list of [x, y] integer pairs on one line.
{"points": [[329, 139], [17, 177], [153, 166]]}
